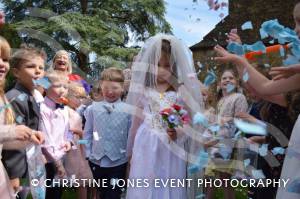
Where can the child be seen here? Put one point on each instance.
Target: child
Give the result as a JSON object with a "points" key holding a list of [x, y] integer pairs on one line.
{"points": [[55, 126], [27, 65], [76, 164], [106, 130], [265, 86], [230, 103], [10, 133], [162, 69], [62, 62]]}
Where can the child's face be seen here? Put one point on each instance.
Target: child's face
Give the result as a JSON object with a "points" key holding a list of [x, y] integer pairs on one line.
{"points": [[111, 91], [75, 100], [227, 78], [57, 90], [164, 70], [4, 67], [61, 62], [31, 69], [297, 19]]}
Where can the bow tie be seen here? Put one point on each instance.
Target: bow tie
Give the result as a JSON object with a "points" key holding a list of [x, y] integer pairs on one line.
{"points": [[59, 106], [109, 108]]}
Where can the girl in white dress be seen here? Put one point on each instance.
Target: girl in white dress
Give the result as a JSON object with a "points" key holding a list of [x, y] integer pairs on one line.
{"points": [[161, 71]]}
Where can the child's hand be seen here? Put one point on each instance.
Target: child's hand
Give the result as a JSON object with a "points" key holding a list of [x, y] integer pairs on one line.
{"points": [[172, 134], [284, 71], [224, 55], [66, 146], [233, 37], [257, 139], [15, 183], [37, 137], [23, 132], [247, 117], [60, 169]]}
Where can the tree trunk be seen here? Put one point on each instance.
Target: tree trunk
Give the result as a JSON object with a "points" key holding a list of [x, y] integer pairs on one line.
{"points": [[83, 62], [84, 4]]}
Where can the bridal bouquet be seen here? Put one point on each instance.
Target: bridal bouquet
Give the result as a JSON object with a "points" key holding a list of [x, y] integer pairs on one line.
{"points": [[174, 116]]}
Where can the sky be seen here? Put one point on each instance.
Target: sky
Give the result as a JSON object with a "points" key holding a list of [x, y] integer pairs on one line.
{"points": [[192, 21]]}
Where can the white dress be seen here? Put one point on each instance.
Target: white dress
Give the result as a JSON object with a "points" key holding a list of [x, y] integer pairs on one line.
{"points": [[290, 170], [154, 156]]}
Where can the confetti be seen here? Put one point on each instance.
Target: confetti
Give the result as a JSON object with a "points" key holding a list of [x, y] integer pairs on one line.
{"points": [[84, 142], [263, 34], [245, 76], [258, 174], [235, 48], [210, 78], [22, 97], [267, 65], [246, 162], [263, 150], [247, 25], [199, 64], [200, 119], [114, 181], [230, 87], [281, 51], [214, 128], [290, 60], [201, 195], [95, 136], [278, 150], [19, 119], [122, 151], [257, 46], [294, 186], [271, 41], [43, 82], [250, 128]]}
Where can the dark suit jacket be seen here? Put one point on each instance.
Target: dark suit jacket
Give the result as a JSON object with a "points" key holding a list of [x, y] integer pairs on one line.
{"points": [[26, 112]]}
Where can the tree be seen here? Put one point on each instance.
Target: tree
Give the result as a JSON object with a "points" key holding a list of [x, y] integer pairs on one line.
{"points": [[85, 27]]}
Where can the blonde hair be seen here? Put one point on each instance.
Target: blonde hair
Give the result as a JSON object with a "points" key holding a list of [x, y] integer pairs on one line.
{"points": [[24, 53], [54, 76], [76, 89], [112, 74], [5, 52], [63, 52]]}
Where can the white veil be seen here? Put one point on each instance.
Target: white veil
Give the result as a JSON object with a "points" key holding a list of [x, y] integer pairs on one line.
{"points": [[184, 78]]}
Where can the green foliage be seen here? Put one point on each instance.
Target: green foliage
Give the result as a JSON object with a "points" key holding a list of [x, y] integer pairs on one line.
{"points": [[84, 27]]}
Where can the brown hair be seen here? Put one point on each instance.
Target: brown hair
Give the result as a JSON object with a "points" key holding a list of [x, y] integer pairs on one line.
{"points": [[23, 54], [112, 74]]}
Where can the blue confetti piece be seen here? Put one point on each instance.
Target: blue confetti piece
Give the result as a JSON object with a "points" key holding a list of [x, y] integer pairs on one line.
{"points": [[281, 51], [263, 34], [257, 46], [258, 174], [238, 135], [250, 128], [19, 119], [2, 108], [247, 25], [210, 78], [43, 82], [22, 97], [245, 76], [278, 150], [290, 60], [230, 88], [295, 48], [200, 119], [235, 48], [85, 142], [271, 42], [193, 169], [199, 196], [294, 186], [214, 128], [263, 150], [246, 162]]}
